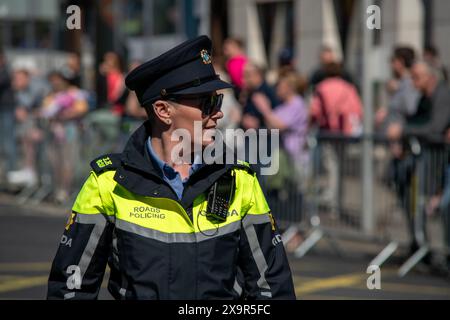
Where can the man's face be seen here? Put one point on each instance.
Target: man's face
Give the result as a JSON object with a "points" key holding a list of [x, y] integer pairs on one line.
{"points": [[430, 58], [229, 49], [420, 77], [283, 89], [397, 66], [73, 62], [20, 80], [252, 78], [187, 112], [57, 83], [327, 56], [111, 61]]}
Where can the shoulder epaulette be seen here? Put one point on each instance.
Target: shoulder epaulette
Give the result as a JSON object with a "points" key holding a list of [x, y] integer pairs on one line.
{"points": [[105, 163], [245, 165]]}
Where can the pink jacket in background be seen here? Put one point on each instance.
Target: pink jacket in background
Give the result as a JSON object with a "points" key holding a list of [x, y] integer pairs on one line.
{"points": [[336, 106], [235, 68]]}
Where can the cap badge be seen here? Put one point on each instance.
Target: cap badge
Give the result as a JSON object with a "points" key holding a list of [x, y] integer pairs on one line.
{"points": [[206, 58]]}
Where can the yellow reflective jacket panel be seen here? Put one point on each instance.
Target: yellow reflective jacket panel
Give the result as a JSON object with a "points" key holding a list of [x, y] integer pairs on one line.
{"points": [[161, 248]]}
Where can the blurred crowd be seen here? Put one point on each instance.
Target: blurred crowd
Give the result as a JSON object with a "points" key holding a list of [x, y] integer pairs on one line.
{"points": [[415, 122], [45, 118], [57, 112]]}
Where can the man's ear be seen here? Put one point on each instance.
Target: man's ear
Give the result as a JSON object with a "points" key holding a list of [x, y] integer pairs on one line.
{"points": [[162, 111]]}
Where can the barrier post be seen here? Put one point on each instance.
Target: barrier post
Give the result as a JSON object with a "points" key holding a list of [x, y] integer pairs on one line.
{"points": [[367, 156]]}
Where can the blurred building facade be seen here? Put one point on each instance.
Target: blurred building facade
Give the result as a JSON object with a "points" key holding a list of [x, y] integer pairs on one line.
{"points": [[34, 33], [141, 29], [305, 25]]}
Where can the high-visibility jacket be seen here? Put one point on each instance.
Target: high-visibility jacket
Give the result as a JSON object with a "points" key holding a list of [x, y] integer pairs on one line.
{"points": [[160, 247]]}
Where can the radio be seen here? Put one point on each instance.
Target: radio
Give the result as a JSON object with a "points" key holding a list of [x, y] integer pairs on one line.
{"points": [[220, 197]]}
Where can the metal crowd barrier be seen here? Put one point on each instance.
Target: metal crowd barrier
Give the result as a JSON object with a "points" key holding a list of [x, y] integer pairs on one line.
{"points": [[96, 133], [330, 206], [429, 227]]}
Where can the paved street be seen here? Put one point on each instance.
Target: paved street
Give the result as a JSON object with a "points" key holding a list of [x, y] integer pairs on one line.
{"points": [[29, 238]]}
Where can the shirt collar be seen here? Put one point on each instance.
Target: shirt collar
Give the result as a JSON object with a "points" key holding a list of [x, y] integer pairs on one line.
{"points": [[164, 168], [197, 164]]}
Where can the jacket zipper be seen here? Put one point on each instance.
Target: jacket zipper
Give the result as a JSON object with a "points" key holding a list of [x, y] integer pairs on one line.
{"points": [[191, 223], [183, 211]]}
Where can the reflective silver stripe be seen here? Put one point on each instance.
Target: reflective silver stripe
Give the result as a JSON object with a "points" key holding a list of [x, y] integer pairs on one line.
{"points": [[154, 234], [257, 253], [237, 287], [266, 294], [251, 219], [209, 234], [122, 290], [69, 295], [177, 237], [100, 223], [90, 218], [115, 250]]}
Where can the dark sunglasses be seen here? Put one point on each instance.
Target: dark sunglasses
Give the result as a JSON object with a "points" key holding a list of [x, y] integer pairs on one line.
{"points": [[207, 103]]}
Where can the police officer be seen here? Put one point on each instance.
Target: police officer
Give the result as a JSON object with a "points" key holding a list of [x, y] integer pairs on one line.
{"points": [[169, 229]]}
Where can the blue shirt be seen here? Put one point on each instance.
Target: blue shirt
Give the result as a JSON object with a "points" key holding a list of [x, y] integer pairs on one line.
{"points": [[168, 174]]}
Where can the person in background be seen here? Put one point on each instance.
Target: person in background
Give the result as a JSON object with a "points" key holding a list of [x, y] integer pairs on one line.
{"points": [[286, 64], [287, 187], [231, 109], [72, 70], [111, 69], [7, 123], [254, 82], [404, 97], [62, 108], [28, 94], [431, 56], [327, 56], [132, 107], [430, 123], [134, 115], [336, 109], [109, 120], [291, 118], [433, 112], [233, 49], [336, 106]]}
